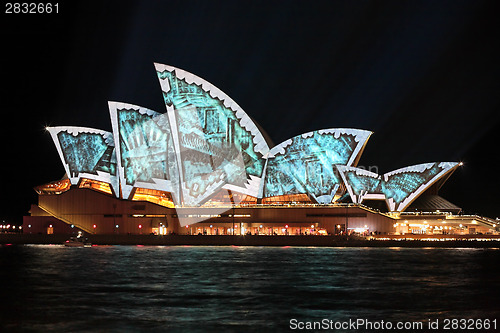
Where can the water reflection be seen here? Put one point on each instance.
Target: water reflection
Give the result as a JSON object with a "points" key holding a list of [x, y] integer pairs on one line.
{"points": [[130, 288]]}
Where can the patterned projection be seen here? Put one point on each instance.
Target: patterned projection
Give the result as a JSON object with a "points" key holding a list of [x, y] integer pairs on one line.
{"points": [[306, 163], [86, 153], [399, 188], [361, 184], [218, 145], [146, 152], [205, 149]]}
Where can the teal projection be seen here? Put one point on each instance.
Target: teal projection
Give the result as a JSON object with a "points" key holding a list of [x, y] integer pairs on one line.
{"points": [[399, 185], [147, 150], [217, 142], [306, 163], [87, 153], [206, 144], [363, 182], [399, 188]]}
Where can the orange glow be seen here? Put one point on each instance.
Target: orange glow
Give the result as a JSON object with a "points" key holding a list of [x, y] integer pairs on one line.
{"points": [[96, 185], [161, 198], [56, 187], [286, 199], [249, 200]]}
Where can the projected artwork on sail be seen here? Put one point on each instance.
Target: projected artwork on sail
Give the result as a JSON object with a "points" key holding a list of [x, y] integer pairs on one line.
{"points": [[86, 153], [205, 152], [218, 144], [306, 163], [146, 152], [399, 187]]}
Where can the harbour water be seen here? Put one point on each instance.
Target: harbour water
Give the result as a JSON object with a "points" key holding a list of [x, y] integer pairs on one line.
{"points": [[239, 289]]}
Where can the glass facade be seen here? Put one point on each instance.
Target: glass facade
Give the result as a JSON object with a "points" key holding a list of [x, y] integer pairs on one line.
{"points": [[161, 198], [56, 187], [95, 185]]}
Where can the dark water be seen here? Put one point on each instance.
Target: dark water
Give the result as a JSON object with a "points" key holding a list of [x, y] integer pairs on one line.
{"points": [[137, 289]]}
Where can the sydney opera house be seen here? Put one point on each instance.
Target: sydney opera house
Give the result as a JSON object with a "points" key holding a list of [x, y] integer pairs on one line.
{"points": [[205, 167]]}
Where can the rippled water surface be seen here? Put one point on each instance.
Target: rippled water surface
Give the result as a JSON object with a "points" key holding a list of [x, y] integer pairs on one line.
{"points": [[134, 288]]}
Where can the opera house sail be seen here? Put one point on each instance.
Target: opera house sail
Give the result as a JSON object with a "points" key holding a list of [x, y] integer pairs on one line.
{"points": [[145, 148], [399, 187], [204, 163], [86, 153], [218, 145], [305, 164]]}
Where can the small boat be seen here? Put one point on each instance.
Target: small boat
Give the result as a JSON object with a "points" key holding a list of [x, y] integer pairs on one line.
{"points": [[78, 241]]}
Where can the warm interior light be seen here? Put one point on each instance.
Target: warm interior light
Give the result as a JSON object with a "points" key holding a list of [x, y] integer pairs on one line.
{"points": [[161, 198], [56, 187], [96, 185]]}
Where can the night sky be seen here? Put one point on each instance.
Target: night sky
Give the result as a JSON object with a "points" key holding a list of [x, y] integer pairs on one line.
{"points": [[423, 75]]}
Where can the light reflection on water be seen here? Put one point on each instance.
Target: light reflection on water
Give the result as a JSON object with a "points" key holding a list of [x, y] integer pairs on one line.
{"points": [[159, 288]]}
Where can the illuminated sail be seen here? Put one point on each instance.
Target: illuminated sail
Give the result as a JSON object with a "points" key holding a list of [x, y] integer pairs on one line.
{"points": [[306, 163], [399, 187], [218, 145], [86, 153], [146, 155]]}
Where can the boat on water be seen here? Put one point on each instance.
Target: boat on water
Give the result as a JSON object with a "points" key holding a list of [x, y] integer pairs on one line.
{"points": [[78, 241]]}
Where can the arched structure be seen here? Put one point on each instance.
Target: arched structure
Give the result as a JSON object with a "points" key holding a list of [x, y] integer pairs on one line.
{"points": [[204, 162], [145, 149], [217, 144], [306, 164], [399, 187], [86, 153]]}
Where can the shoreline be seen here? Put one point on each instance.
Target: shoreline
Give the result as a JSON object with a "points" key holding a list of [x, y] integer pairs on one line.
{"points": [[250, 240]]}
